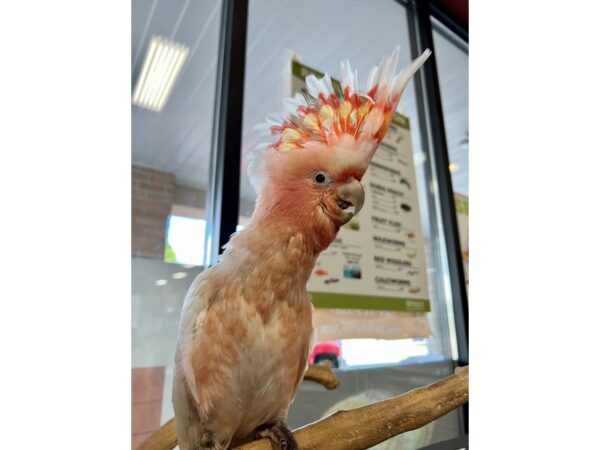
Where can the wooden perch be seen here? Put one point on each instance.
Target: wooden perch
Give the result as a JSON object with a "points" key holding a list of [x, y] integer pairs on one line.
{"points": [[360, 428], [321, 373], [364, 427], [165, 438]]}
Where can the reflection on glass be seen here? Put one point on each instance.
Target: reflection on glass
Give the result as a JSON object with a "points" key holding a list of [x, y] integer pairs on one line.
{"points": [[452, 60], [185, 240], [453, 74], [171, 143], [359, 352]]}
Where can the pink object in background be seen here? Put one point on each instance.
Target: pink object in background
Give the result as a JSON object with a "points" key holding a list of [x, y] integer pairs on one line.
{"points": [[332, 347]]}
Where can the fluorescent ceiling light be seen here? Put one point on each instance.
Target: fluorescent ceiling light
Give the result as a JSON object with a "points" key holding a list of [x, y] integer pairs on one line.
{"points": [[162, 65]]}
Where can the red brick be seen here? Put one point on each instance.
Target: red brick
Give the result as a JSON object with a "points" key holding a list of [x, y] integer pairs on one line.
{"points": [[156, 214], [139, 173], [152, 195], [151, 186], [159, 197], [147, 221], [138, 194], [144, 242], [152, 247], [154, 233], [151, 171], [163, 179], [144, 205]]}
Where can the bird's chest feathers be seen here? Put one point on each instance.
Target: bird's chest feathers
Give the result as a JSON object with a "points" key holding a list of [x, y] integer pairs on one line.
{"points": [[273, 281], [272, 354], [284, 327], [262, 300], [264, 347]]}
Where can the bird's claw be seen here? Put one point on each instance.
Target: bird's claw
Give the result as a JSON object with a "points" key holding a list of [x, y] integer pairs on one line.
{"points": [[279, 434]]}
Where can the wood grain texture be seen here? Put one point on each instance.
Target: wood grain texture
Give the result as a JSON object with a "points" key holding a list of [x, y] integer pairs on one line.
{"points": [[362, 428], [321, 373], [165, 438]]}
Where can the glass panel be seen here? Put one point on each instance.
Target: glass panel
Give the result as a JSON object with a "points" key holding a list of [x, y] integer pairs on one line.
{"points": [[170, 172], [453, 74], [452, 60], [320, 35]]}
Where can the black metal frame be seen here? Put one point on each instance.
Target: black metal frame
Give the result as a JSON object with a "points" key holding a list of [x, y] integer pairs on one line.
{"points": [[453, 25], [434, 138], [443, 29], [437, 171], [223, 200]]}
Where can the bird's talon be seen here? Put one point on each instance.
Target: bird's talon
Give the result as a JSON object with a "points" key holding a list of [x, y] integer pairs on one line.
{"points": [[279, 434]]}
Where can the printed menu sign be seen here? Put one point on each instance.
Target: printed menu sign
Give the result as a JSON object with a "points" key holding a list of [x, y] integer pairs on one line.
{"points": [[377, 261]]}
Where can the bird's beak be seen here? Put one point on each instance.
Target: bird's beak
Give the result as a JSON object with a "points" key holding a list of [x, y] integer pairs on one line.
{"points": [[349, 195]]}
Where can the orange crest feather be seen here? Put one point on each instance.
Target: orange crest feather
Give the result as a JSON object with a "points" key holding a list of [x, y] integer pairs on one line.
{"points": [[320, 116]]}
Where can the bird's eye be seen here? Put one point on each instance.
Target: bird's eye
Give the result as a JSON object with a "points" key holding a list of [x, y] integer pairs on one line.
{"points": [[321, 178]]}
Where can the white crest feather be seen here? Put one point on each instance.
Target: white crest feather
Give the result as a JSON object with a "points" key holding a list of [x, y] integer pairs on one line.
{"points": [[357, 119]]}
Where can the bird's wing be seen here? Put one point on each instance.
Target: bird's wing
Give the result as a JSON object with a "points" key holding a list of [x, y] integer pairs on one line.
{"points": [[301, 370], [304, 356], [193, 316], [185, 396]]}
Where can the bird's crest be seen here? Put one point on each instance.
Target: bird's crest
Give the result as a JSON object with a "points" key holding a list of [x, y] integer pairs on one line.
{"points": [[320, 116]]}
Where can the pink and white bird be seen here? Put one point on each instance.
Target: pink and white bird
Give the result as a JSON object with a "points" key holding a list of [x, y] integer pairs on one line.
{"points": [[246, 323]]}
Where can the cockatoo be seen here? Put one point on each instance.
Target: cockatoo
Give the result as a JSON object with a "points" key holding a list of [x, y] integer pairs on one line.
{"points": [[246, 327]]}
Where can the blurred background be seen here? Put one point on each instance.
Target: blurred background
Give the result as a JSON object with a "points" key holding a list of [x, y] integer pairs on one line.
{"points": [[181, 191]]}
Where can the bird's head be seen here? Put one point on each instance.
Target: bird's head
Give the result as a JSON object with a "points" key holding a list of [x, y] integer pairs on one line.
{"points": [[316, 185], [310, 173]]}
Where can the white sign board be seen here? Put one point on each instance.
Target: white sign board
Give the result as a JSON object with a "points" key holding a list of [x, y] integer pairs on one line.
{"points": [[377, 260], [372, 280]]}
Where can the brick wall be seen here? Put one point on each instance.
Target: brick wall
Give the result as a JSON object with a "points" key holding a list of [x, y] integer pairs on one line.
{"points": [[152, 194]]}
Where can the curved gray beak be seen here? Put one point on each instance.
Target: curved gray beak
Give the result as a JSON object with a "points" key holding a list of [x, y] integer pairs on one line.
{"points": [[349, 195]]}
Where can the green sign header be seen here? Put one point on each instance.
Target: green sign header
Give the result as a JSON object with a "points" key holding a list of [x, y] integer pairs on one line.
{"points": [[328, 300]]}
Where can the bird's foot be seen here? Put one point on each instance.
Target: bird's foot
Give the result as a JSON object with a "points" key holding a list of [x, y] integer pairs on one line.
{"points": [[279, 434], [205, 440]]}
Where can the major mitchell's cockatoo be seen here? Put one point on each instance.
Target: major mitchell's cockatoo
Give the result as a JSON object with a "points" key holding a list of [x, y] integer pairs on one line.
{"points": [[246, 326]]}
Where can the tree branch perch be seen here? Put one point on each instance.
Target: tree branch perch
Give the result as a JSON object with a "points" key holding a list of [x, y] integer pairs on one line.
{"points": [[364, 427]]}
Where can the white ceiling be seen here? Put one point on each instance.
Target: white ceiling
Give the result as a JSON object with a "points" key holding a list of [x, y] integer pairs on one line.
{"points": [[178, 139]]}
